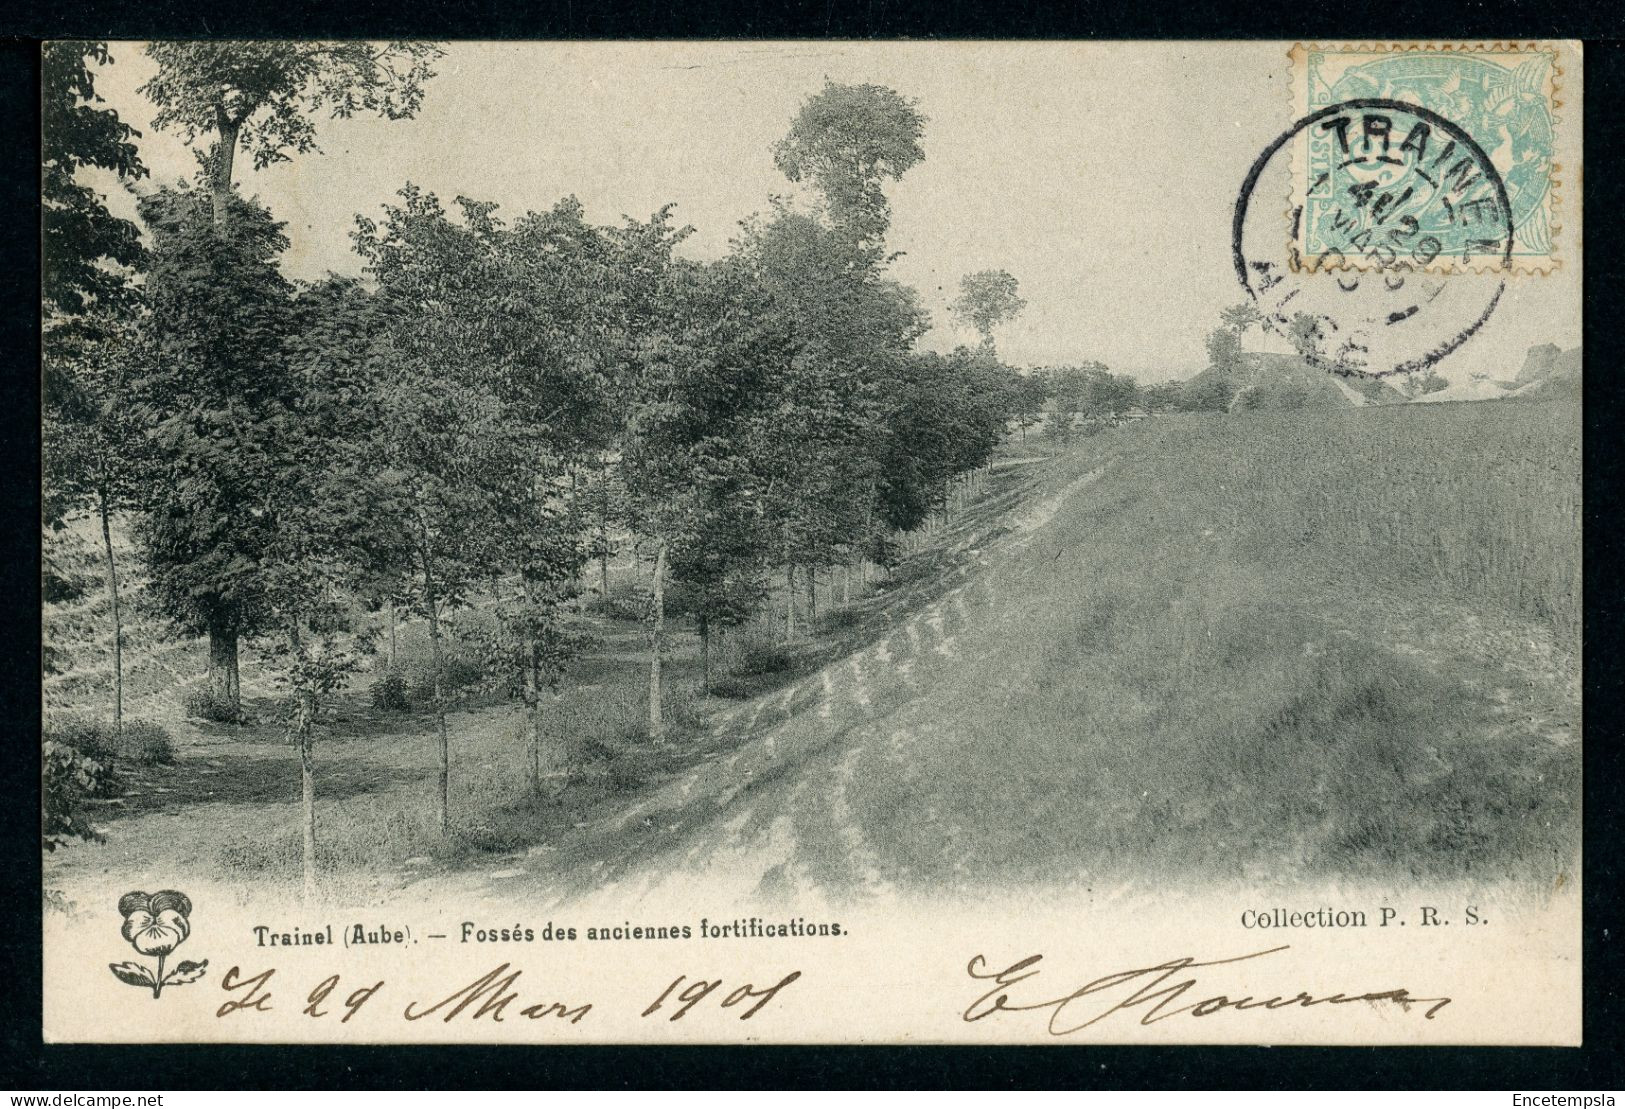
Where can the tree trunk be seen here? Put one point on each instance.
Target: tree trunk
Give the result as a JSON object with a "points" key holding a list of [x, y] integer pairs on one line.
{"points": [[222, 673], [705, 655], [225, 153], [657, 723], [439, 689], [603, 560], [846, 584], [790, 602], [812, 595], [118, 626], [390, 609], [533, 703], [307, 789]]}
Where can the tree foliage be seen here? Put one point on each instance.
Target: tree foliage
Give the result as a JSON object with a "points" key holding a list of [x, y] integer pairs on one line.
{"points": [[86, 249], [847, 141], [218, 404], [986, 299], [262, 95]]}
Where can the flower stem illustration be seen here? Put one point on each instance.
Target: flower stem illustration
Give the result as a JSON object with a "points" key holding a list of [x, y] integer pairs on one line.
{"points": [[156, 924]]}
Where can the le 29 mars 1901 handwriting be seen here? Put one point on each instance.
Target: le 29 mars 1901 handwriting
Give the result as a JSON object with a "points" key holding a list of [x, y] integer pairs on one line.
{"points": [[492, 994]]}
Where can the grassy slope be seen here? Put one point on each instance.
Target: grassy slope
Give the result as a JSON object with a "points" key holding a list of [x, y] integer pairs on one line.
{"points": [[1273, 645], [1269, 645]]}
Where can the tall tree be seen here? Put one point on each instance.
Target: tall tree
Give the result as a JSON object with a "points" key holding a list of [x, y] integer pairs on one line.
{"points": [[847, 141], [665, 378], [850, 326], [92, 444], [261, 95], [557, 364], [482, 390], [330, 543], [215, 397], [722, 536], [88, 256], [986, 299]]}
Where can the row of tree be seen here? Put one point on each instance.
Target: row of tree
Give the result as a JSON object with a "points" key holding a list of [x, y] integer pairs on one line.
{"points": [[495, 403]]}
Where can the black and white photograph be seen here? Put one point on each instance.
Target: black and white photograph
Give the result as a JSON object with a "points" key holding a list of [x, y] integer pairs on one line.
{"points": [[811, 541]]}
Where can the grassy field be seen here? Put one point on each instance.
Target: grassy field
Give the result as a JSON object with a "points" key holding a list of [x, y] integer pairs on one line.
{"points": [[1266, 647], [1275, 645]]}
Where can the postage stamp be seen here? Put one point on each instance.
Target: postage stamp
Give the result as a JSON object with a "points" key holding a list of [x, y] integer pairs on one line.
{"points": [[1423, 178]]}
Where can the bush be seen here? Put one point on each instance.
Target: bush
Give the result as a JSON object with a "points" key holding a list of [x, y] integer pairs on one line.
{"points": [[70, 778], [757, 656], [409, 684], [92, 738], [146, 743], [389, 692], [624, 602], [203, 703]]}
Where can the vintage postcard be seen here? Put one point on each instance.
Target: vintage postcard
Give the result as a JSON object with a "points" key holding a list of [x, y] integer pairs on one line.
{"points": [[812, 542]]}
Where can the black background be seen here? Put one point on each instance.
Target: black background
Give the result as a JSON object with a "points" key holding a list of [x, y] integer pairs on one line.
{"points": [[28, 1065]]}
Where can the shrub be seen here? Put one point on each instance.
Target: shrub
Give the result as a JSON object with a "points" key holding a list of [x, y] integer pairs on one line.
{"points": [[389, 692], [757, 656], [624, 602], [70, 778], [409, 684], [146, 743], [92, 738], [143, 742], [203, 703]]}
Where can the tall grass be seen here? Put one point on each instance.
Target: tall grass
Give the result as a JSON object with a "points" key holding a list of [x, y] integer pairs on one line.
{"points": [[1479, 501], [1205, 664]]}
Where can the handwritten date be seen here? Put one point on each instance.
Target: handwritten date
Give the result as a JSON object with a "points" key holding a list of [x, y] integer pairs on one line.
{"points": [[493, 995]]}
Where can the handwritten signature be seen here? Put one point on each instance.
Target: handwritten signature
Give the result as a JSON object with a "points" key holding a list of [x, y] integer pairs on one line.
{"points": [[1157, 991]]}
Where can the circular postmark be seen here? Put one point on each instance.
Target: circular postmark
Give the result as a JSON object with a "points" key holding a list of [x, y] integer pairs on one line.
{"points": [[1374, 235]]}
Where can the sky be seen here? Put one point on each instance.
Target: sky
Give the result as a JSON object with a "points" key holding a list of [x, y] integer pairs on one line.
{"points": [[1103, 176]]}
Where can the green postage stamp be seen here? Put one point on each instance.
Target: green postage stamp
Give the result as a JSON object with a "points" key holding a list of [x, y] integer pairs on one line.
{"points": [[1432, 156]]}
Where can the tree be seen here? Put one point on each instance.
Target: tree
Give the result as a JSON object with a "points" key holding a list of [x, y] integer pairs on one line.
{"points": [[847, 141], [1161, 397], [552, 280], [455, 461], [215, 399], [91, 444], [986, 299], [1224, 350], [1027, 401], [329, 542], [1208, 392], [850, 327], [703, 342], [1242, 317], [86, 249], [260, 95], [722, 539], [88, 255], [944, 417]]}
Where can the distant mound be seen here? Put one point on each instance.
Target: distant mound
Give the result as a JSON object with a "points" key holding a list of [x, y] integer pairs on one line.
{"points": [[1275, 382], [1548, 371]]}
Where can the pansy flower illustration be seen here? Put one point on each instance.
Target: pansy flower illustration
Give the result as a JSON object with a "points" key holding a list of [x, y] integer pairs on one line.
{"points": [[156, 924]]}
